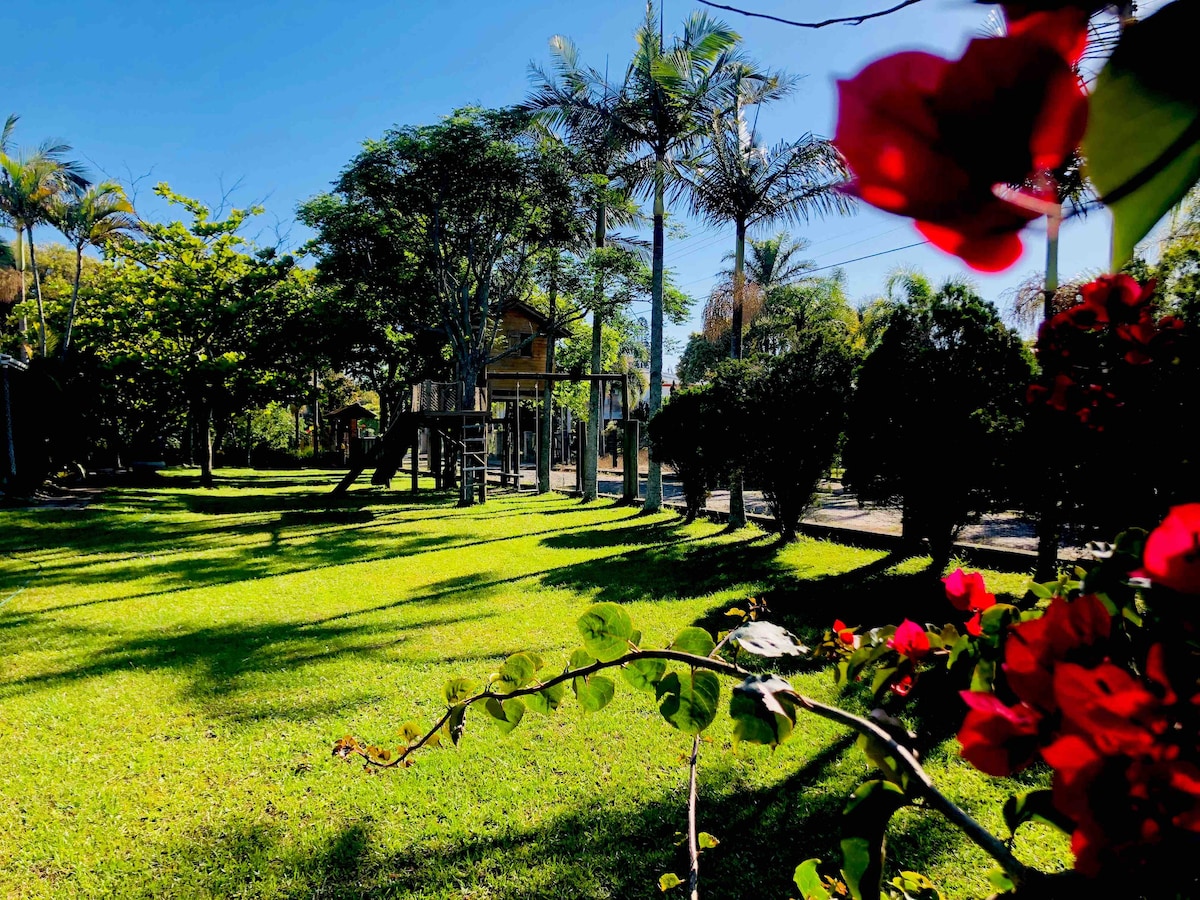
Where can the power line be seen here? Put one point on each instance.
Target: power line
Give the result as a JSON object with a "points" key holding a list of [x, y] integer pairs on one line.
{"points": [[835, 265], [847, 262]]}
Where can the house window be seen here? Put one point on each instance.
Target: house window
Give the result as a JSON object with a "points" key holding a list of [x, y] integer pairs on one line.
{"points": [[515, 339]]}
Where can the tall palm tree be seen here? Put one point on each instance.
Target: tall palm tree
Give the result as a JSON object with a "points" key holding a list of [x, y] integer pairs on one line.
{"points": [[668, 93], [581, 105], [91, 218], [738, 180], [29, 182]]}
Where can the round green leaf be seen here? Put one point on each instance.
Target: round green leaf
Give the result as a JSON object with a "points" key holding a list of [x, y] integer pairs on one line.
{"points": [[606, 630], [547, 700], [693, 640], [644, 674], [594, 693], [506, 714], [689, 703], [458, 689]]}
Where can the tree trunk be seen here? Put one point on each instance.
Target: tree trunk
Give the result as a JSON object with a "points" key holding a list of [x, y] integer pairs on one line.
{"points": [[37, 289], [590, 458], [206, 444], [66, 342], [1048, 524], [737, 499], [469, 367], [546, 437], [654, 477], [23, 322]]}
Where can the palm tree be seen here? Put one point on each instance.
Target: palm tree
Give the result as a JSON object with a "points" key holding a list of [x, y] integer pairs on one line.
{"points": [[738, 180], [29, 182], [91, 218], [657, 109], [580, 104]]}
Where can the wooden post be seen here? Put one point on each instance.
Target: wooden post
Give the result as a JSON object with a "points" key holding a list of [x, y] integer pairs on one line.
{"points": [[630, 452], [580, 453], [435, 456], [416, 457]]}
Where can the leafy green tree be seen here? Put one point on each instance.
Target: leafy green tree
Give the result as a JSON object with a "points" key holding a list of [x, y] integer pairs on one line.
{"points": [[181, 312], [473, 202], [370, 309], [936, 416]]}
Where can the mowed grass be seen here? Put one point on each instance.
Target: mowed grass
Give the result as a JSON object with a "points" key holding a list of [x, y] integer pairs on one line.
{"points": [[175, 664]]}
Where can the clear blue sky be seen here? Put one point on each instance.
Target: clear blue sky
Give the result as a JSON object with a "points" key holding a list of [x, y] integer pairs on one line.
{"points": [[275, 98]]}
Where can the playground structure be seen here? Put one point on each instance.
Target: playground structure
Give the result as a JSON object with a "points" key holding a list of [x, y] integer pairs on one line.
{"points": [[455, 442], [454, 429]]}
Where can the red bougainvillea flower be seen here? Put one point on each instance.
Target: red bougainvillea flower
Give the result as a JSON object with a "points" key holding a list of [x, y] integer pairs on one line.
{"points": [[1116, 299], [910, 640], [902, 685], [967, 591], [1172, 554], [1074, 631], [995, 738], [1110, 707], [975, 625], [1065, 29], [845, 633], [932, 138]]}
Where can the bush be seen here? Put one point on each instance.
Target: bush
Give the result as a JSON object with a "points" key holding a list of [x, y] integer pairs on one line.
{"points": [[678, 439], [937, 414]]}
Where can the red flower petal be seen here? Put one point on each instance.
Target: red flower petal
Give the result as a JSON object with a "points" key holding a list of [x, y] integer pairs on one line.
{"points": [[1172, 554]]}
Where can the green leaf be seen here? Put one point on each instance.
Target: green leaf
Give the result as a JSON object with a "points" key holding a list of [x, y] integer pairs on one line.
{"points": [[767, 639], [606, 630], [1143, 138], [864, 824], [507, 713], [693, 640], [809, 882], [594, 693], [882, 677], [689, 703], [547, 700], [580, 658], [644, 674], [1041, 591], [458, 689], [1001, 881], [1035, 806], [518, 670], [668, 881], [706, 841], [454, 724], [763, 709], [915, 886]]}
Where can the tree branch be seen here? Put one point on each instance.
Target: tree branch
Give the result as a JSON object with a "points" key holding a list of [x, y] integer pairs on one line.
{"points": [[845, 20]]}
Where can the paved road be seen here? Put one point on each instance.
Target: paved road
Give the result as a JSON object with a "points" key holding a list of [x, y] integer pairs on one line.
{"points": [[834, 507]]}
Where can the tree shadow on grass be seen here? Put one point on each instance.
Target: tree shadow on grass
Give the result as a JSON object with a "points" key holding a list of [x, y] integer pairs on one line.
{"points": [[216, 658], [612, 849], [667, 565]]}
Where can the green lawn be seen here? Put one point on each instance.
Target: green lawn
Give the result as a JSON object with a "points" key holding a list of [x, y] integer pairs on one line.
{"points": [[177, 663]]}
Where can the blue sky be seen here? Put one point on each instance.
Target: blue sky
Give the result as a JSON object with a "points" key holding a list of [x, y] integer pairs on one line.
{"points": [[268, 100]]}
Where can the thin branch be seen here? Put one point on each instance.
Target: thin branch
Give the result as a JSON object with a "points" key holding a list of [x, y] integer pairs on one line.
{"points": [[693, 838], [845, 20]]}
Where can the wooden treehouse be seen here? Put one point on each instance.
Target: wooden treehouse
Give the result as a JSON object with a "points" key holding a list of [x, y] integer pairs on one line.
{"points": [[455, 441]]}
